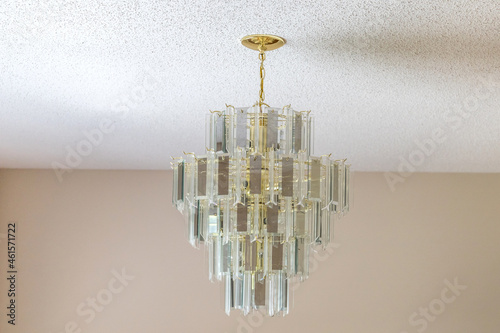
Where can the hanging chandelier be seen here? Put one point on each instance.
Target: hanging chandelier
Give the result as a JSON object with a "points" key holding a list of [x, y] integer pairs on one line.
{"points": [[258, 199]]}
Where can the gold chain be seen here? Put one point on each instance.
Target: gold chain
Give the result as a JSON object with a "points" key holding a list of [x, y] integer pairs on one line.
{"points": [[262, 57]]}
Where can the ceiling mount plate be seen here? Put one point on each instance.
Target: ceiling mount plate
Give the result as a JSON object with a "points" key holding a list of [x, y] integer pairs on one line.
{"points": [[270, 42]]}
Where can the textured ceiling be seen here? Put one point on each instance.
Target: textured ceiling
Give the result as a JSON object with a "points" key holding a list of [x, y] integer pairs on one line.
{"points": [[381, 79]]}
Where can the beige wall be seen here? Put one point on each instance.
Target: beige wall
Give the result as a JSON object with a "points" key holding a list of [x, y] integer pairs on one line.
{"points": [[392, 255]]}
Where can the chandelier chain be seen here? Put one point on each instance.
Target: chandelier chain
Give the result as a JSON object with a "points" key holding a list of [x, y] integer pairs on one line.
{"points": [[262, 57]]}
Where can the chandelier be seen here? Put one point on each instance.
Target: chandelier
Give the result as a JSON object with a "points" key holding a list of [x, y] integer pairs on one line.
{"points": [[258, 199]]}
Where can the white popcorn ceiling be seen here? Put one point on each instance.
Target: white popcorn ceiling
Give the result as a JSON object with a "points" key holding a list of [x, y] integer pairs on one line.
{"points": [[378, 76]]}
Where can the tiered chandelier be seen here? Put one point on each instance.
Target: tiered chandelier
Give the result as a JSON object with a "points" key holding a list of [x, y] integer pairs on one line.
{"points": [[258, 199]]}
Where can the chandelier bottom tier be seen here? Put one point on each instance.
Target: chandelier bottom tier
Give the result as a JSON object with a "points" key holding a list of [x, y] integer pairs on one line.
{"points": [[260, 202]]}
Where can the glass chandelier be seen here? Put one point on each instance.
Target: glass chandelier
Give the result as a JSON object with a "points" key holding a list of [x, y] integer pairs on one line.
{"points": [[258, 199]]}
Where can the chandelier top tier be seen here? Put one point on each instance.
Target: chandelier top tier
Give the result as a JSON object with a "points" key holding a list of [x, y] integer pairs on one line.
{"points": [[258, 199]]}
